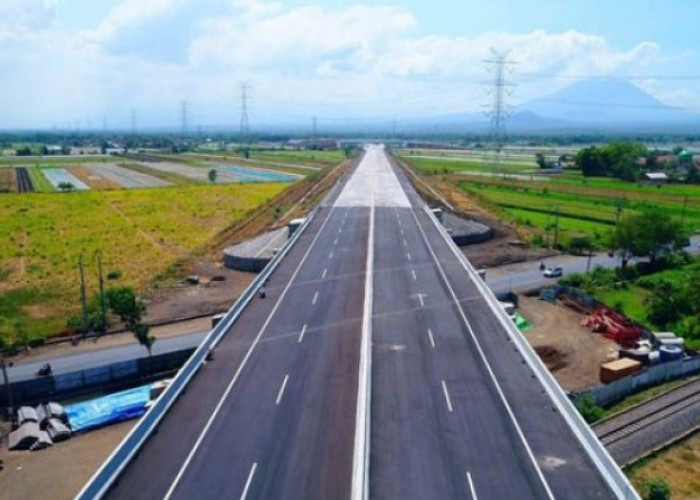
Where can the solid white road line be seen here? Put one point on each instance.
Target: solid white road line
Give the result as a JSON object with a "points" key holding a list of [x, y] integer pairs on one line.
{"points": [[487, 365], [301, 335], [281, 391], [323, 274], [360, 462], [229, 388], [430, 336], [447, 395], [471, 486], [313, 301], [249, 480], [413, 273]]}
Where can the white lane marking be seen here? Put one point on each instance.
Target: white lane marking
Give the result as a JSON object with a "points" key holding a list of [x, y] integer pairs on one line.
{"points": [[313, 301], [323, 274], [360, 460], [402, 231], [249, 480], [472, 490], [420, 299], [413, 273], [492, 375], [405, 243], [301, 335], [408, 255], [335, 242], [447, 395], [281, 391], [229, 388], [430, 336], [330, 255]]}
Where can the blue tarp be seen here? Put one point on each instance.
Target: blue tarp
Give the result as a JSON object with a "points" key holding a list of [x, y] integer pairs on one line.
{"points": [[109, 409]]}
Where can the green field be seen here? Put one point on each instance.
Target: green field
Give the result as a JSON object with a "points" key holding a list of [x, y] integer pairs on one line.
{"points": [[140, 233], [41, 183], [581, 206]]}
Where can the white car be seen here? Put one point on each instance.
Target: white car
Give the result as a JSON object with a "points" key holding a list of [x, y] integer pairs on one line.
{"points": [[553, 272]]}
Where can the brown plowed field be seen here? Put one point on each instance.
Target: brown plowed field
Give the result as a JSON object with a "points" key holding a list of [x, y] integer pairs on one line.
{"points": [[92, 179], [8, 179]]}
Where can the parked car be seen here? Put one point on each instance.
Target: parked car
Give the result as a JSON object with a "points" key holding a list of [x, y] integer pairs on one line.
{"points": [[553, 272]]}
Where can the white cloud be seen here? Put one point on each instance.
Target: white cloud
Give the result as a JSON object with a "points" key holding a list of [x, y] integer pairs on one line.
{"points": [[360, 59]]}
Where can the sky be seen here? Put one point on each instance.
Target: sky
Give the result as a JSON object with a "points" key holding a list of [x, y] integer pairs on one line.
{"points": [[89, 63]]}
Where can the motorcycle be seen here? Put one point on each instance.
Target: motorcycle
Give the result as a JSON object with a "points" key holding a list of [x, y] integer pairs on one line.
{"points": [[45, 370]]}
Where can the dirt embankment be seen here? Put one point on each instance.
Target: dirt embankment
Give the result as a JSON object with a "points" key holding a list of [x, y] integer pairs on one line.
{"points": [[169, 298], [508, 244]]}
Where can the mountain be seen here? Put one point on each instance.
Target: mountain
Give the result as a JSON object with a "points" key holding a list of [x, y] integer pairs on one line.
{"points": [[608, 102]]}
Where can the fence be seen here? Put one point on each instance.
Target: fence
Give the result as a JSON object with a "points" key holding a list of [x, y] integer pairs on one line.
{"points": [[613, 392], [108, 378]]}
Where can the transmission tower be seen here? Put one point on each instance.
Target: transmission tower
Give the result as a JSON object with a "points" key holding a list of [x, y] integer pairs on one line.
{"points": [[500, 88], [183, 119], [245, 128], [133, 121]]}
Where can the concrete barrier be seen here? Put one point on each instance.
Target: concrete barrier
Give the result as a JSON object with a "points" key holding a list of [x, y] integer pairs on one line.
{"points": [[597, 453], [108, 473]]}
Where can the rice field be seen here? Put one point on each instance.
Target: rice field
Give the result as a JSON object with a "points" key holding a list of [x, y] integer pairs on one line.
{"points": [[258, 174], [8, 179], [124, 177], [60, 176], [140, 232]]}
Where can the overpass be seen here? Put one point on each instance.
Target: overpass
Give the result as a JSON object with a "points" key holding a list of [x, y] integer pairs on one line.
{"points": [[378, 366]]}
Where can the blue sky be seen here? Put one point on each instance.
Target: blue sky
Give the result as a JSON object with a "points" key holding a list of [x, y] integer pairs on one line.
{"points": [[79, 62]]}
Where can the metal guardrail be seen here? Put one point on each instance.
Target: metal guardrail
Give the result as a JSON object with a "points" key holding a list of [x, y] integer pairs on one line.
{"points": [[605, 464], [103, 479]]}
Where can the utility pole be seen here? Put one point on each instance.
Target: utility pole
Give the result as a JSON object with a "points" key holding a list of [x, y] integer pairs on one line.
{"points": [[244, 131], [314, 130], [83, 298], [685, 202], [6, 382], [500, 88], [183, 119], [103, 301], [556, 225]]}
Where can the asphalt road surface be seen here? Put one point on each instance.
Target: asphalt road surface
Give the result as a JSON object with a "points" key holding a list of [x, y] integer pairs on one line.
{"points": [[454, 410]]}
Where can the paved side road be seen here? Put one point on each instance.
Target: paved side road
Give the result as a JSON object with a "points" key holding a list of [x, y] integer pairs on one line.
{"points": [[524, 276]]}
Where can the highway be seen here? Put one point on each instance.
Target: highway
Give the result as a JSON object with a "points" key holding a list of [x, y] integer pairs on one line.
{"points": [[373, 347]]}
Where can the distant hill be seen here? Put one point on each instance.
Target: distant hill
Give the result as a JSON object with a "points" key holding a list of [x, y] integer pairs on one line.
{"points": [[608, 102]]}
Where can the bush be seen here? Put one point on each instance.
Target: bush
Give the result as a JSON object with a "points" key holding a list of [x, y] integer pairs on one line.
{"points": [[588, 409], [656, 489]]}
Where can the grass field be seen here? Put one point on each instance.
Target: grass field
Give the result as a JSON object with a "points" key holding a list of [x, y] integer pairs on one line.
{"points": [[41, 183], [140, 233], [582, 206], [677, 465], [325, 158]]}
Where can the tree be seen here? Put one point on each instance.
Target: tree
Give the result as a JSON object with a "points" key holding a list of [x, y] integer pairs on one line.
{"points": [[141, 332], [580, 244], [66, 186], [667, 303], [656, 489], [646, 235], [540, 160], [126, 305], [212, 175], [590, 161]]}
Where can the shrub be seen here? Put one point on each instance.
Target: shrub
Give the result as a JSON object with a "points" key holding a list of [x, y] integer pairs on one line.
{"points": [[656, 489], [114, 275], [588, 409]]}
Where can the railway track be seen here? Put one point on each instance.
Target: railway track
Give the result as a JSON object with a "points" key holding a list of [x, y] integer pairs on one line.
{"points": [[24, 182], [642, 416]]}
